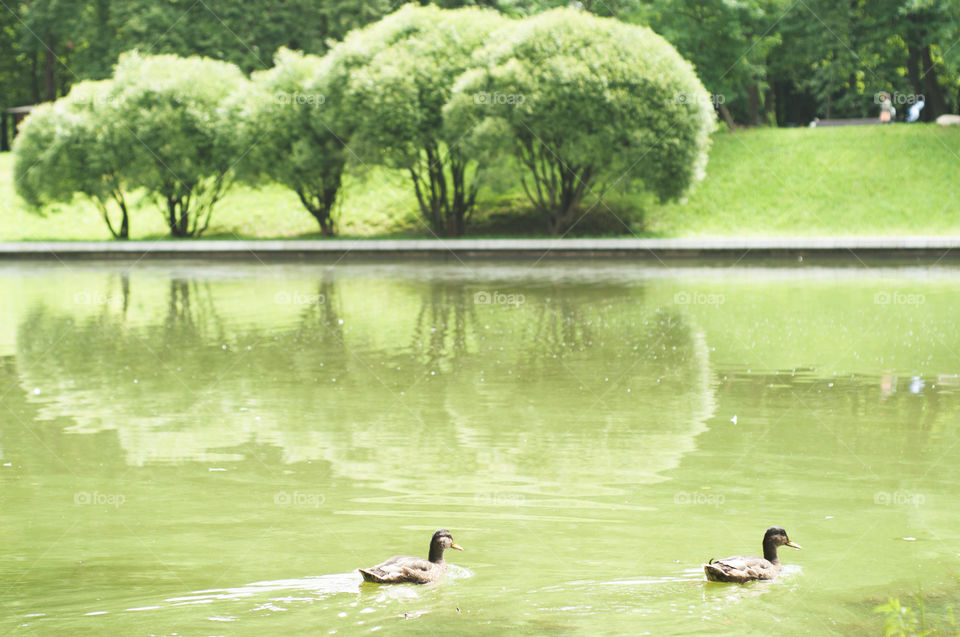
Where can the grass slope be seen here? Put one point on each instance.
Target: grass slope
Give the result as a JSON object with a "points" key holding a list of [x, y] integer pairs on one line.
{"points": [[854, 180], [873, 180]]}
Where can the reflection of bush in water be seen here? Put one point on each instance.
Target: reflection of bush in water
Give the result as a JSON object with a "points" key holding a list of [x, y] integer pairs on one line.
{"points": [[515, 373], [672, 344], [29, 439], [576, 390], [191, 357], [196, 370], [446, 321], [551, 323]]}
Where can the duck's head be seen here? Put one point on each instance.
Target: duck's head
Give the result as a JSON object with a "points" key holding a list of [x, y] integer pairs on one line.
{"points": [[444, 539], [441, 540], [776, 536]]}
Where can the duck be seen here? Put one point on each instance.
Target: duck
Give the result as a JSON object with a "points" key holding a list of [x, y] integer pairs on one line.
{"points": [[416, 570], [745, 569]]}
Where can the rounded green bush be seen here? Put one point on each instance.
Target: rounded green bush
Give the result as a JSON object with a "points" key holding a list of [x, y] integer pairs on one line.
{"points": [[587, 104], [75, 146]]}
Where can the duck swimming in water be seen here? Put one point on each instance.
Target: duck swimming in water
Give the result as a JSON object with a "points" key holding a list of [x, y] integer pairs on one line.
{"points": [[415, 570], [744, 569]]}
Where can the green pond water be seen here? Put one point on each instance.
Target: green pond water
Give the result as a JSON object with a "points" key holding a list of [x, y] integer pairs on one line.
{"points": [[213, 449]]}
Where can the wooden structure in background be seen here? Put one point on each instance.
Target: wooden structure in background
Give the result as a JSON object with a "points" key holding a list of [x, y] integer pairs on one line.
{"points": [[10, 120]]}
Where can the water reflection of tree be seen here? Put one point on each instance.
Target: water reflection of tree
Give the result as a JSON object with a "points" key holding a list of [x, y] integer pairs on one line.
{"points": [[631, 385], [445, 323], [125, 291], [560, 326], [198, 383], [189, 370], [670, 342], [533, 375], [192, 318], [564, 327], [39, 444], [450, 325], [320, 321]]}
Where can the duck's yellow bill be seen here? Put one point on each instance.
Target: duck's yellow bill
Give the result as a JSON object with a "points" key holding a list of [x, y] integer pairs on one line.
{"points": [[456, 546], [793, 545]]}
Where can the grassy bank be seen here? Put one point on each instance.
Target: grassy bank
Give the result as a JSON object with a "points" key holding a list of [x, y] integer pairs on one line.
{"points": [[875, 180], [857, 180]]}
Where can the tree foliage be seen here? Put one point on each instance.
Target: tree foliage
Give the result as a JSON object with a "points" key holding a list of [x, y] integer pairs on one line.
{"points": [[586, 104], [75, 146], [768, 59], [47, 45], [783, 61], [726, 43], [295, 135], [181, 132], [397, 99], [248, 33]]}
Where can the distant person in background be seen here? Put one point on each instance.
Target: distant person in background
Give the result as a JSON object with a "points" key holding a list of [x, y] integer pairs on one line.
{"points": [[887, 111], [914, 113]]}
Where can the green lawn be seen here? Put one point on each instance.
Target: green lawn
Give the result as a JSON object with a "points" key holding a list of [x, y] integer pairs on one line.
{"points": [[890, 180], [375, 205], [856, 180]]}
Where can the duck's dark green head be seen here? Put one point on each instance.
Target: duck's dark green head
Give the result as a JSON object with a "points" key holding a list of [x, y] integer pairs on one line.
{"points": [[776, 536]]}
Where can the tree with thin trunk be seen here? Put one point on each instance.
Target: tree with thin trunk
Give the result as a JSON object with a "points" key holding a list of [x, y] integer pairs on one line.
{"points": [[73, 147], [396, 99], [295, 134], [176, 117]]}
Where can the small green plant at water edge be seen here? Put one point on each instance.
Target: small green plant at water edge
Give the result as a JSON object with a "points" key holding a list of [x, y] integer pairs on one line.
{"points": [[903, 621]]}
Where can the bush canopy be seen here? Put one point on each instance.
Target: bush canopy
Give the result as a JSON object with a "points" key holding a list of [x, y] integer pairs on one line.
{"points": [[579, 105]]}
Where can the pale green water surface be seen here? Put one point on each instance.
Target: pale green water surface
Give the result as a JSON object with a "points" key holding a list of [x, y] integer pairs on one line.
{"points": [[213, 449]]}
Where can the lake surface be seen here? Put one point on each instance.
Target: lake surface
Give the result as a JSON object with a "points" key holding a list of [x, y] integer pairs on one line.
{"points": [[213, 449]]}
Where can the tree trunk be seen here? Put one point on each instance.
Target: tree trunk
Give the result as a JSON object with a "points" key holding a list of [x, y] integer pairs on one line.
{"points": [[913, 75], [49, 68], [913, 69], [573, 185], [124, 223], [321, 207], [329, 200], [456, 221], [105, 212], [177, 217], [172, 215], [35, 79], [463, 199], [49, 81], [935, 101], [769, 106], [753, 105], [184, 221], [323, 220], [727, 117]]}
